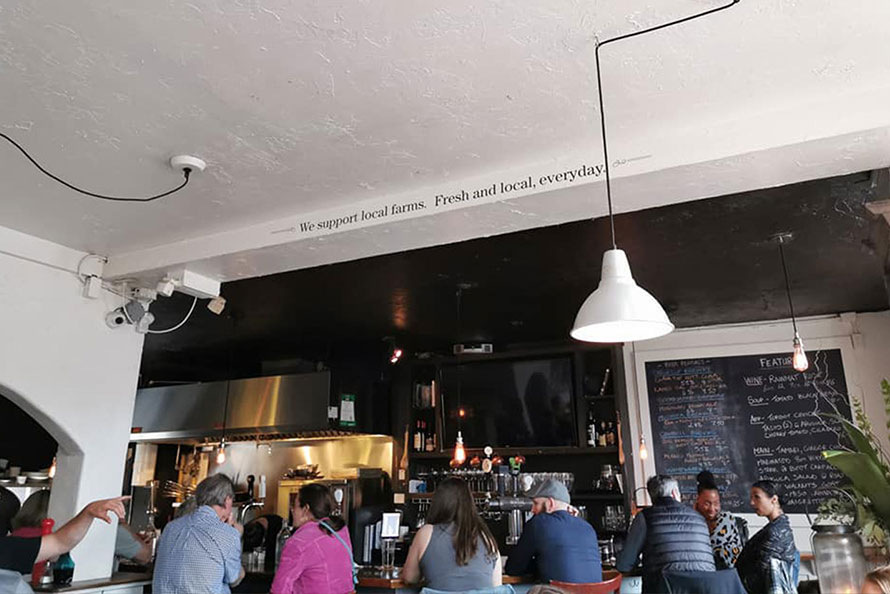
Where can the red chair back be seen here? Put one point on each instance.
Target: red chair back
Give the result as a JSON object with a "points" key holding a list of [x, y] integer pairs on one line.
{"points": [[607, 587]]}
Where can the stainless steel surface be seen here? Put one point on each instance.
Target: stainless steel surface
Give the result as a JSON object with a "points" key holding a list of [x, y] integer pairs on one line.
{"points": [[283, 402], [340, 457], [185, 409], [244, 508], [515, 522], [271, 405]]}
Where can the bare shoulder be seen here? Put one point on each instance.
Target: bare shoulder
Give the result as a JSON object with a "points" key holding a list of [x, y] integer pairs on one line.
{"points": [[422, 539]]}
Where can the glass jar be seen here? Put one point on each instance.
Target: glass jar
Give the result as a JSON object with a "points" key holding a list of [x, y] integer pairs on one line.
{"points": [[840, 559]]}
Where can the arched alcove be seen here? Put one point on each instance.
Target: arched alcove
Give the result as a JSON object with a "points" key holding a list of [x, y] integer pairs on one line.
{"points": [[29, 438]]}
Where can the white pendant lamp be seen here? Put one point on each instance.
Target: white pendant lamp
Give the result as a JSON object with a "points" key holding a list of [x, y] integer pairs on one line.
{"points": [[620, 310]]}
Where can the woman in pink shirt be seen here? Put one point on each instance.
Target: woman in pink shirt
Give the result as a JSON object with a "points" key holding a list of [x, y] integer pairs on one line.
{"points": [[314, 560]]}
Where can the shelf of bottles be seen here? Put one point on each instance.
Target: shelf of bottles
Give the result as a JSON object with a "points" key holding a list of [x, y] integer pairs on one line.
{"points": [[424, 436], [594, 461]]}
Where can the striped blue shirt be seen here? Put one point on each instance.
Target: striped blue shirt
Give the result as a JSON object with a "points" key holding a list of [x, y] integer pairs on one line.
{"points": [[197, 554]]}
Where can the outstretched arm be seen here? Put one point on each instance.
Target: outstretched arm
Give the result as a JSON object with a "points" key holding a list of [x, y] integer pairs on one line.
{"points": [[69, 536]]}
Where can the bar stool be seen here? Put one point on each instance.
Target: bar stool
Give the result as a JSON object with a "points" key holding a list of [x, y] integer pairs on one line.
{"points": [[607, 587]]}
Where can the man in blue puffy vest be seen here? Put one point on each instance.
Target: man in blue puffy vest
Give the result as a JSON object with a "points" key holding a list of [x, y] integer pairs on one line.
{"points": [[671, 536]]}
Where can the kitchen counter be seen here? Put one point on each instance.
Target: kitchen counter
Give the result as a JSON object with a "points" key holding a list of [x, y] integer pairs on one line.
{"points": [[119, 583]]}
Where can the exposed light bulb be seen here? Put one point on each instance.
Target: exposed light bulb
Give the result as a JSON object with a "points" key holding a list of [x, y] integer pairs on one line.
{"points": [[52, 469], [644, 452], [221, 454], [799, 359], [460, 454]]}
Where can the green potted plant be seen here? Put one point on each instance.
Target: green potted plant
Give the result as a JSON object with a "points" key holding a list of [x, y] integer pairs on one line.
{"points": [[866, 465]]}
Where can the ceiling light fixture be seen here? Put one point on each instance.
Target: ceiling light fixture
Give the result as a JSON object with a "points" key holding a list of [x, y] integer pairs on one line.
{"points": [[619, 310], [798, 356], [460, 452]]}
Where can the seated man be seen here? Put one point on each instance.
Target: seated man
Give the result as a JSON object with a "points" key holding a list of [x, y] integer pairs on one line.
{"points": [[201, 551], [129, 545], [555, 544], [671, 536], [20, 554]]}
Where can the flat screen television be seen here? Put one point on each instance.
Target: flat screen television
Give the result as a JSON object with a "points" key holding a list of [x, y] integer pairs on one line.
{"points": [[510, 403]]}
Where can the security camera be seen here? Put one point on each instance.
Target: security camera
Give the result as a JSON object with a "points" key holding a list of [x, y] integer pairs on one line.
{"points": [[115, 318]]}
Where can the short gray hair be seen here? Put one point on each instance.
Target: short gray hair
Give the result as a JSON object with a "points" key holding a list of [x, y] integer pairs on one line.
{"points": [[661, 485], [214, 490]]}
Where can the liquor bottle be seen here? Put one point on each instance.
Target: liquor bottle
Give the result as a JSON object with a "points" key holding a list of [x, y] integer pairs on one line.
{"points": [[601, 436], [430, 441], [610, 434], [63, 570], [417, 447], [422, 435], [283, 535], [591, 429]]}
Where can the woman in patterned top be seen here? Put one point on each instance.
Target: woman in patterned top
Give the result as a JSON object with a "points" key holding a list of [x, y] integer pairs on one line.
{"points": [[726, 538]]}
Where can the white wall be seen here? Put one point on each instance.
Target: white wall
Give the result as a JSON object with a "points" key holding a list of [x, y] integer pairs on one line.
{"points": [[864, 340], [77, 377]]}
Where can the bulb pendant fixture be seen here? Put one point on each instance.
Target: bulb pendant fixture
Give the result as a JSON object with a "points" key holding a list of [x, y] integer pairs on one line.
{"points": [[221, 453], [460, 454], [799, 357], [644, 452]]}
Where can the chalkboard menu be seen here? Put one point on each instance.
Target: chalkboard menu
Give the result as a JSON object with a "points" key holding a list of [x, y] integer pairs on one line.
{"points": [[746, 418]]}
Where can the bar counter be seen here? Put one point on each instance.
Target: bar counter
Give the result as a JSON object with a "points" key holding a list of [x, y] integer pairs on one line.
{"points": [[121, 582]]}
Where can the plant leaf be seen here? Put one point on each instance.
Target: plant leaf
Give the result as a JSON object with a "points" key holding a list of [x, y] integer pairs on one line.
{"points": [[860, 440], [867, 477]]}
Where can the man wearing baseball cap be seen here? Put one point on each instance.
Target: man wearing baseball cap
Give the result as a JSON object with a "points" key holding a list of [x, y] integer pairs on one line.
{"points": [[555, 544]]}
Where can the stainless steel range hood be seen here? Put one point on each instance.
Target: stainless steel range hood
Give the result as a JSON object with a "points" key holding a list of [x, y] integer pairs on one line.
{"points": [[281, 404]]}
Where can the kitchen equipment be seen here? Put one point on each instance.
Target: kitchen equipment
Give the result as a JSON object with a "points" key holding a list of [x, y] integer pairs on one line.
{"points": [[304, 471], [370, 487]]}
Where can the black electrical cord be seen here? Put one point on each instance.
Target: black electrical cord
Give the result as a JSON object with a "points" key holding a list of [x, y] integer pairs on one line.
{"points": [[186, 172], [781, 240], [599, 90]]}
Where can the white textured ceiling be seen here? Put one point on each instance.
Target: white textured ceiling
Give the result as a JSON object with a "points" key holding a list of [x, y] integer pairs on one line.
{"points": [[303, 107]]}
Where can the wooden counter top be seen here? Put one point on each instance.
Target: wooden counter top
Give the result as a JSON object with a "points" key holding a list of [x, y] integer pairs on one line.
{"points": [[372, 577], [119, 579]]}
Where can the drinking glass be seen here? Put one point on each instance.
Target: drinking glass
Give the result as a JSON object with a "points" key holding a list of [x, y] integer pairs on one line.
{"points": [[388, 552]]}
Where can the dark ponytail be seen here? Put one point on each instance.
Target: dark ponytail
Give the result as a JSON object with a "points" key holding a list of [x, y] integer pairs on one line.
{"points": [[321, 505], [706, 481], [771, 489]]}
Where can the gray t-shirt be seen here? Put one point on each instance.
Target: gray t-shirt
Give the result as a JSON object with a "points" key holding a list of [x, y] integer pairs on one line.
{"points": [[441, 571]]}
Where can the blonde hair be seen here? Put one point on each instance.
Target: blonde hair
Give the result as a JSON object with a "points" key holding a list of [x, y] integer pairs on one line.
{"points": [[881, 578]]}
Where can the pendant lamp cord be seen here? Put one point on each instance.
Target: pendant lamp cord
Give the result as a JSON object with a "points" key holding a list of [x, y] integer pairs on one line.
{"points": [[599, 90], [460, 370], [787, 283]]}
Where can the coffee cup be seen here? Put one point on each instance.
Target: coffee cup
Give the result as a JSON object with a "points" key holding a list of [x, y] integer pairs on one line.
{"points": [[15, 471], [3, 463], [21, 479]]}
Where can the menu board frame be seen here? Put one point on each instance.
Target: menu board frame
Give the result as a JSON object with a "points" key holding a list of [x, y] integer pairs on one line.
{"points": [[640, 407]]}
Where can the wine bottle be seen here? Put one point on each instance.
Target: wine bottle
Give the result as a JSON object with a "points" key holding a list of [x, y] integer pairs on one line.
{"points": [[591, 429]]}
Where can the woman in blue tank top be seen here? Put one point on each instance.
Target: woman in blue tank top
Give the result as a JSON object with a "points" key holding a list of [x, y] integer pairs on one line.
{"points": [[455, 551]]}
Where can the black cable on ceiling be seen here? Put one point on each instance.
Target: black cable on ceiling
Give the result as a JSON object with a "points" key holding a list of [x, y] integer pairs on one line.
{"points": [[186, 173]]}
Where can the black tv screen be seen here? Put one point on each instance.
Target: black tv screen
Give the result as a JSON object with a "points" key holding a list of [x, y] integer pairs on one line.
{"points": [[527, 402]]}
